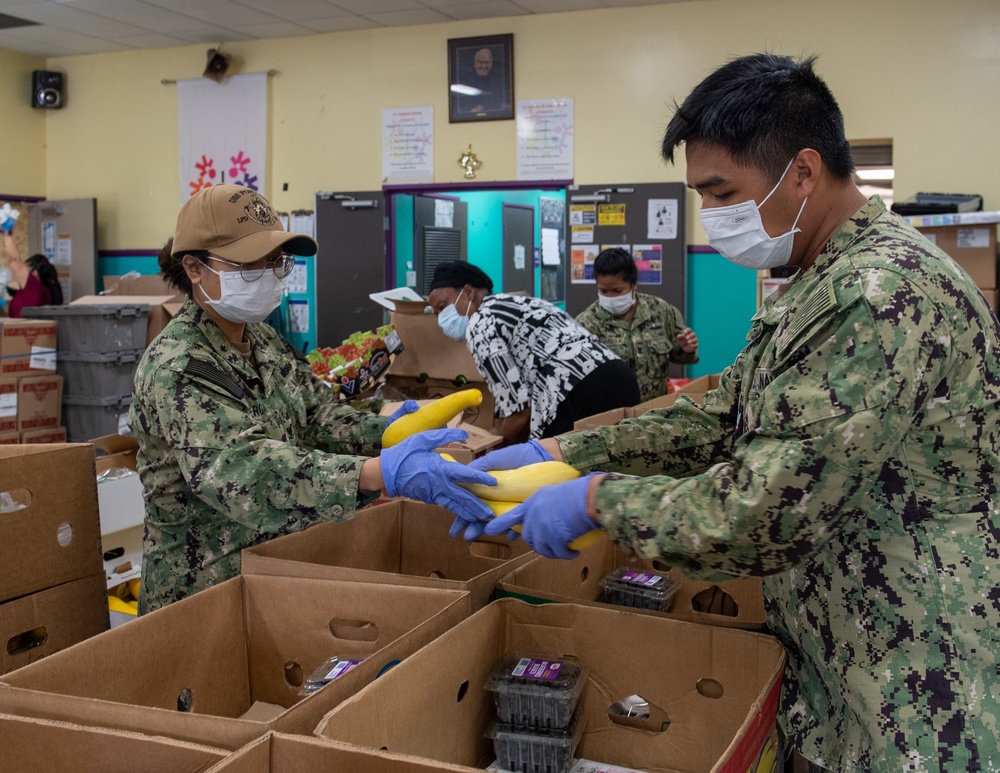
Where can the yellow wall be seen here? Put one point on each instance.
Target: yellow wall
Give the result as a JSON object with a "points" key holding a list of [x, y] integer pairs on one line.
{"points": [[925, 74], [22, 128]]}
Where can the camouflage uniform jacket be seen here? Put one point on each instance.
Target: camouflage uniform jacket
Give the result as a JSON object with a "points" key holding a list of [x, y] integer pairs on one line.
{"points": [[648, 343], [231, 455], [849, 456]]}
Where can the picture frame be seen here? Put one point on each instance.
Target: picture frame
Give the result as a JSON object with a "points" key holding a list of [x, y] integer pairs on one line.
{"points": [[481, 78]]}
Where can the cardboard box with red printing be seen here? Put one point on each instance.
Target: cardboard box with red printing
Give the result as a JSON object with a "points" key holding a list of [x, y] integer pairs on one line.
{"points": [[44, 435], [432, 365], [50, 620], [8, 404], [224, 666], [43, 746], [731, 604], [51, 531], [27, 346], [39, 402], [9, 438], [694, 389], [712, 693], [283, 753], [400, 542]]}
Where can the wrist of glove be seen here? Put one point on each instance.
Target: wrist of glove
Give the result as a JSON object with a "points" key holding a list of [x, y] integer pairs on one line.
{"points": [[408, 406]]}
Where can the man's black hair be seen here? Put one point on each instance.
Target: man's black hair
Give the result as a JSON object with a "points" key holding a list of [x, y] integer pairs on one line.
{"points": [[763, 109], [614, 261]]}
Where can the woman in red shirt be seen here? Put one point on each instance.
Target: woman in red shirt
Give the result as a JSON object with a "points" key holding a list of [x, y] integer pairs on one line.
{"points": [[34, 281]]}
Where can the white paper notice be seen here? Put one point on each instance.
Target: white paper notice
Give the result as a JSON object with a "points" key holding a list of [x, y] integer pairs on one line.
{"points": [[42, 358], [444, 213], [8, 405], [519, 256], [583, 234], [298, 280], [64, 250], [298, 313], [973, 237], [545, 139], [407, 144], [303, 222], [550, 247], [662, 219]]}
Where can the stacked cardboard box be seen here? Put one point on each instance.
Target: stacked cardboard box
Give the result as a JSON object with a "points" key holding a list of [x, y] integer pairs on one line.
{"points": [[971, 239], [52, 591], [694, 389], [30, 388]]}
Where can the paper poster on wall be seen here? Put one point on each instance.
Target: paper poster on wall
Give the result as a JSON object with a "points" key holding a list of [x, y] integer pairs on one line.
{"points": [[407, 144], [649, 262], [550, 247], [582, 234], [222, 132], [49, 240], [582, 214], [582, 265], [64, 250], [611, 214], [662, 219], [298, 315], [519, 256], [303, 221], [545, 139], [444, 213], [297, 281]]}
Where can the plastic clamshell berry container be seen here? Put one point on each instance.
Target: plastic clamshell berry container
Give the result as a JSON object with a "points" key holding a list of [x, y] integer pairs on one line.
{"points": [[538, 693], [536, 751], [327, 671], [640, 590]]}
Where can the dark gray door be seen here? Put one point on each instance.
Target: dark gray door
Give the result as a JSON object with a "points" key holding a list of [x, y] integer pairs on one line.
{"points": [[350, 229], [65, 231], [440, 233], [518, 249]]}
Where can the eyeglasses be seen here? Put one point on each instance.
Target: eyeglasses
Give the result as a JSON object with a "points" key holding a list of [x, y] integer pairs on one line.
{"points": [[281, 266]]}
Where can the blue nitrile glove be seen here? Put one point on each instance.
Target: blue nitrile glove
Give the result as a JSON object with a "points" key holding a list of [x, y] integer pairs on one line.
{"points": [[508, 458], [7, 224], [551, 518], [512, 457], [408, 406], [412, 469]]}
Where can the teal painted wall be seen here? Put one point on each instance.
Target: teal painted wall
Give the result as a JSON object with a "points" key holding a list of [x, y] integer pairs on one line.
{"points": [[721, 299]]}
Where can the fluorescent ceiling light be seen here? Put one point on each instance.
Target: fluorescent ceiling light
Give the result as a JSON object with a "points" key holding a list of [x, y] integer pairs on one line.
{"points": [[873, 173]]}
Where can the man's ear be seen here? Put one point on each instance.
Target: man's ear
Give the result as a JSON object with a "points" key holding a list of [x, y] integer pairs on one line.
{"points": [[806, 169]]}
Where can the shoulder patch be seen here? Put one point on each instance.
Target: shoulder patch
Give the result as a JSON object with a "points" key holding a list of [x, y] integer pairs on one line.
{"points": [[211, 374], [819, 302]]}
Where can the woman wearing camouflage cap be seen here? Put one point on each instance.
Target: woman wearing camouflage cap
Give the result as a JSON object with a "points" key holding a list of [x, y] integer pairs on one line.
{"points": [[238, 440]]}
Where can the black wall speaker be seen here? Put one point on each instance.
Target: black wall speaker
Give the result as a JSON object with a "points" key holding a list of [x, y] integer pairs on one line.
{"points": [[47, 89]]}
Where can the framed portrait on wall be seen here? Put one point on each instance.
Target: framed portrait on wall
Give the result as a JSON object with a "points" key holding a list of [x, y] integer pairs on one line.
{"points": [[481, 78]]}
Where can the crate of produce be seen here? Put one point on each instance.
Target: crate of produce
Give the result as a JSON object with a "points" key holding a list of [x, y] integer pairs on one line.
{"points": [[537, 692], [104, 327], [87, 417], [630, 587], [95, 374]]}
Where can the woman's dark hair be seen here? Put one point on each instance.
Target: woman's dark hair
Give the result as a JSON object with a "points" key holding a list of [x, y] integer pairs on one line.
{"points": [[614, 261], [457, 274], [47, 275], [763, 109], [172, 266]]}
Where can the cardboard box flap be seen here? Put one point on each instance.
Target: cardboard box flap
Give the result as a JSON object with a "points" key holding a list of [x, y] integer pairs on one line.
{"points": [[115, 451], [427, 351], [138, 284]]}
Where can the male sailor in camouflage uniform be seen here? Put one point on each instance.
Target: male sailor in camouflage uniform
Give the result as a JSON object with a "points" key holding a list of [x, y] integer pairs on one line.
{"points": [[238, 441], [849, 455]]}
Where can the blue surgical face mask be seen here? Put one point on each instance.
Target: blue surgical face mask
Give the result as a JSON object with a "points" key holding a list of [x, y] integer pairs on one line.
{"points": [[453, 324]]}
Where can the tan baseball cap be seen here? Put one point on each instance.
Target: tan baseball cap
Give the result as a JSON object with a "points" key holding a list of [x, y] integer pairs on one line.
{"points": [[235, 223]]}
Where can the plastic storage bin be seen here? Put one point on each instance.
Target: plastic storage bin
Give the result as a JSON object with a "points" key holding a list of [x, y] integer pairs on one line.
{"points": [[641, 590], [549, 751], [99, 327], [331, 668], [98, 375], [538, 693], [88, 417]]}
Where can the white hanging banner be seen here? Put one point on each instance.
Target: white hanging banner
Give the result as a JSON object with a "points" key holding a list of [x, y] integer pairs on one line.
{"points": [[545, 139], [223, 132]]}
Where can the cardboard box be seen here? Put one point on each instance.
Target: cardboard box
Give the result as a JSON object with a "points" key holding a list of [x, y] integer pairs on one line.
{"points": [[122, 551], [401, 542], [9, 438], [282, 753], [713, 691], [974, 248], [431, 364], [479, 442], [44, 435], [39, 624], [161, 308], [54, 535], [27, 346], [42, 746], [730, 604], [193, 669], [139, 284], [8, 404], [39, 402], [695, 389], [114, 451]]}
